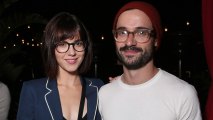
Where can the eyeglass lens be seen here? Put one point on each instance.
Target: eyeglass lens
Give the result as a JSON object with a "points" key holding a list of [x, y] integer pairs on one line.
{"points": [[64, 46], [140, 35]]}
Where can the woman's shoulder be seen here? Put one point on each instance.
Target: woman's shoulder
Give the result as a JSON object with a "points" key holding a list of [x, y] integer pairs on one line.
{"points": [[35, 82]]}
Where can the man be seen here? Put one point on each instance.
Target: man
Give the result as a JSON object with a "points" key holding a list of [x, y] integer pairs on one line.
{"points": [[143, 91], [4, 101]]}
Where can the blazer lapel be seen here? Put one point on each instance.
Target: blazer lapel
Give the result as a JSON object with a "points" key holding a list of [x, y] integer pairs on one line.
{"points": [[52, 100], [92, 99]]}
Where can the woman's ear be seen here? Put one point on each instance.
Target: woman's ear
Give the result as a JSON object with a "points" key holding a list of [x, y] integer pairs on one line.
{"points": [[156, 43]]}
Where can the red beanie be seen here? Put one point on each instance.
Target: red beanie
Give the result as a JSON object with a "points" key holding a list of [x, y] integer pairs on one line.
{"points": [[150, 11]]}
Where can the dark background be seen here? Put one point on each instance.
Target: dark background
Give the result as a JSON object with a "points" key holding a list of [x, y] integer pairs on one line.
{"points": [[181, 52]]}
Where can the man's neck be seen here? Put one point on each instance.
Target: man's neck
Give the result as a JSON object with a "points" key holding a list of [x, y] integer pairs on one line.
{"points": [[139, 76]]}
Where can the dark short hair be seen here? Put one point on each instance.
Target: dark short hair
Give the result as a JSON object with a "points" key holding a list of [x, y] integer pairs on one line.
{"points": [[63, 26]]}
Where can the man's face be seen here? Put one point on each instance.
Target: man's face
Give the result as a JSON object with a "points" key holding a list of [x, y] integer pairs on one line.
{"points": [[131, 53]]}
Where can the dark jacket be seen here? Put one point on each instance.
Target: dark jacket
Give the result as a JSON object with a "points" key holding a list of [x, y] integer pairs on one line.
{"points": [[39, 100]]}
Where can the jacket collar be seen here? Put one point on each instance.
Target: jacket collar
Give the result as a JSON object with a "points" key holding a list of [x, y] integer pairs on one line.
{"points": [[52, 99], [92, 99]]}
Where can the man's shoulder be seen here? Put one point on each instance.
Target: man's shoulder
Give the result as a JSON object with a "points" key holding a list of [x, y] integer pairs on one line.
{"points": [[176, 82], [4, 89], [110, 86], [3, 86]]}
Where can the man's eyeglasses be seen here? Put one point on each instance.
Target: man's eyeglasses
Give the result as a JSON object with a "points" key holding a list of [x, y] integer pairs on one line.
{"points": [[64, 46], [140, 35]]}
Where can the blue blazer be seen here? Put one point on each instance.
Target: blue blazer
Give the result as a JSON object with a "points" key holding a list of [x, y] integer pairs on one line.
{"points": [[39, 100]]}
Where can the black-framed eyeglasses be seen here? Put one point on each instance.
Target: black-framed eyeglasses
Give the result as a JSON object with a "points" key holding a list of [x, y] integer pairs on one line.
{"points": [[64, 46], [141, 35]]}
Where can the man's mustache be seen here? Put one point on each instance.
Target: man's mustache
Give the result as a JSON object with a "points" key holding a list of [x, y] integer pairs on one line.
{"points": [[133, 48]]}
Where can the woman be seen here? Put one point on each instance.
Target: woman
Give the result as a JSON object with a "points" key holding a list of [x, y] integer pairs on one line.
{"points": [[65, 94]]}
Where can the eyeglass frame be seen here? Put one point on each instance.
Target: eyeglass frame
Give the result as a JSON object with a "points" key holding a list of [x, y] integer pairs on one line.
{"points": [[150, 32], [69, 44]]}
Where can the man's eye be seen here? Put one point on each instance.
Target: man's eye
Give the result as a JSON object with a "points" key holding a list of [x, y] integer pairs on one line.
{"points": [[141, 32], [122, 32]]}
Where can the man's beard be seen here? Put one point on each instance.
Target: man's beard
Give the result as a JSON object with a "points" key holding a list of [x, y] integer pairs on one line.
{"points": [[132, 62]]}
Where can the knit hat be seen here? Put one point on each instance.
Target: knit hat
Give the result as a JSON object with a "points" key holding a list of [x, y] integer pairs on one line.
{"points": [[149, 10]]}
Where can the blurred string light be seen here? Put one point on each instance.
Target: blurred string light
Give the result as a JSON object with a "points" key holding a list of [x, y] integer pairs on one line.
{"points": [[34, 43], [102, 37], [165, 29], [24, 39], [187, 23]]}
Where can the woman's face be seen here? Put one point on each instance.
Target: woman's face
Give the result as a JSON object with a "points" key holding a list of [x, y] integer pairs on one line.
{"points": [[67, 56]]}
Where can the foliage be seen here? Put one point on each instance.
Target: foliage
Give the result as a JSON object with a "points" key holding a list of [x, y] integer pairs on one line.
{"points": [[9, 23]]}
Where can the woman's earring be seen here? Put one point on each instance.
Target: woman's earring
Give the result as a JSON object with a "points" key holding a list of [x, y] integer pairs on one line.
{"points": [[156, 44]]}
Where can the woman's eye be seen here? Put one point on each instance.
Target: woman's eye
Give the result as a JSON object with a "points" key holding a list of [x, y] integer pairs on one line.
{"points": [[61, 44], [79, 43]]}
